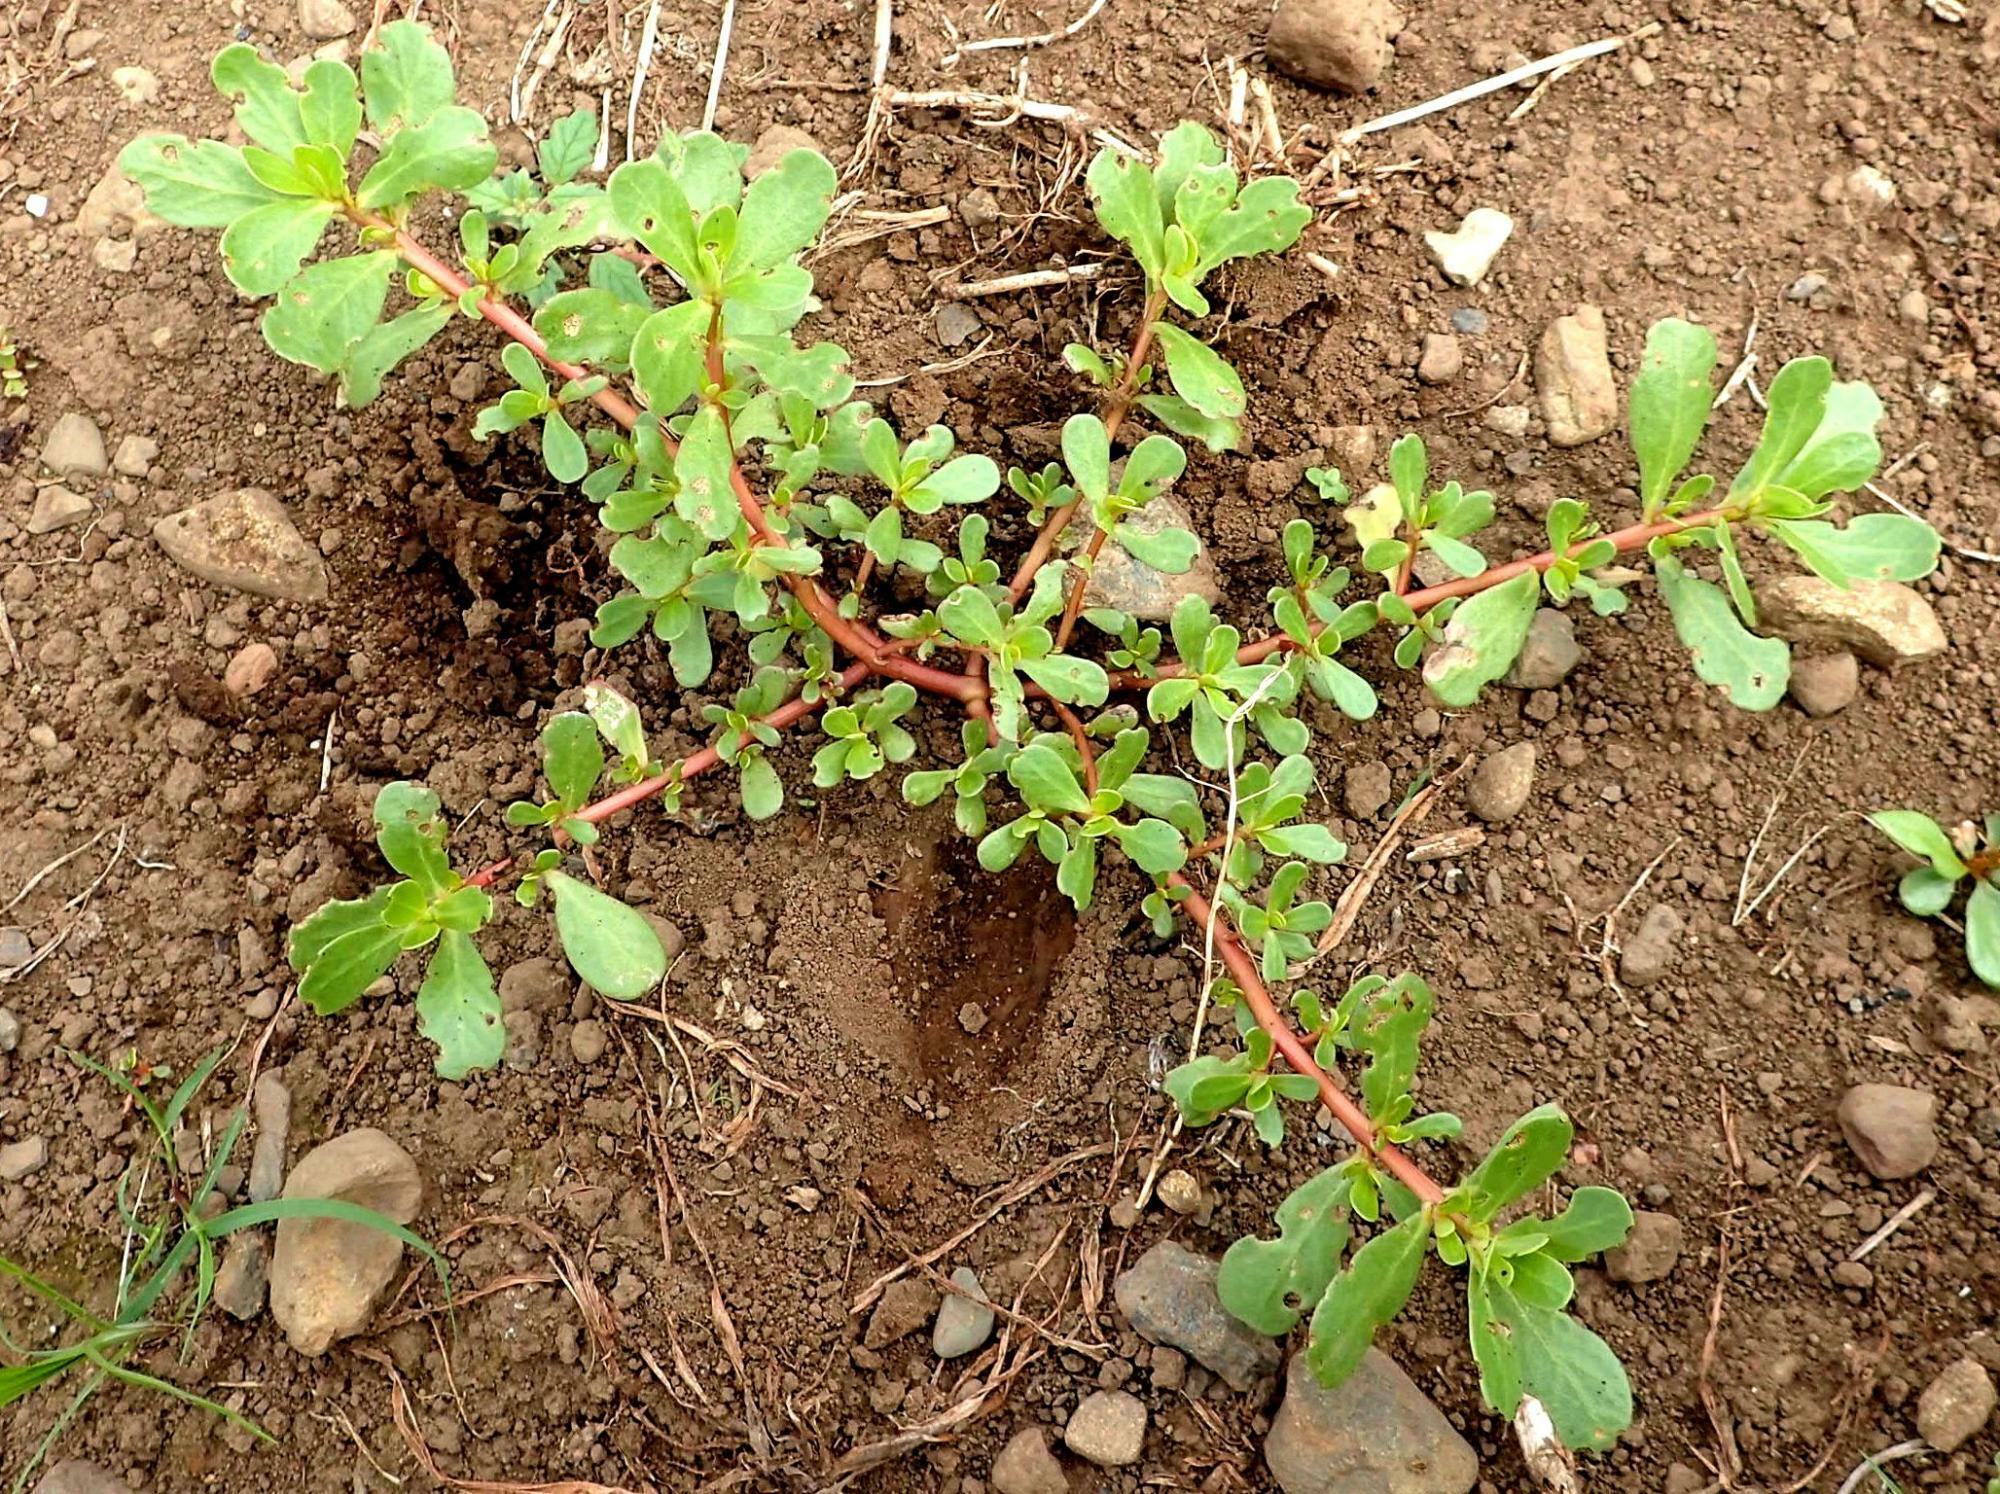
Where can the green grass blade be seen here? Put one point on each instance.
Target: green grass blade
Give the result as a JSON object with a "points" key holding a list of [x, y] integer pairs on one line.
{"points": [[277, 1209], [50, 1294]]}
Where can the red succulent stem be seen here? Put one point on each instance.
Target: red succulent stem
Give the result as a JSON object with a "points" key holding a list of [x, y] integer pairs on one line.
{"points": [[1339, 1104]]}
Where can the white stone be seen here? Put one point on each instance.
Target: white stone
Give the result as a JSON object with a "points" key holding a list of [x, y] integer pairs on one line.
{"points": [[1466, 255]]}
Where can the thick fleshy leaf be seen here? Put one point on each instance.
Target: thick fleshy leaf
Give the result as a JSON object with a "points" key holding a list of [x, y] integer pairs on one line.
{"points": [[760, 787], [1183, 419], [1199, 375], [702, 465], [1184, 148], [667, 355], [1982, 931], [411, 832], [1566, 1367], [1526, 1156], [459, 1009], [591, 325], [266, 108], [327, 307], [449, 153], [1482, 639], [1923, 837], [1870, 547], [572, 758], [1597, 1219], [1492, 1347], [1122, 192], [609, 944], [1267, 216], [1087, 453], [1669, 404], [1364, 1297], [329, 109], [1169, 551], [342, 950], [383, 346], [1843, 451], [1797, 403], [650, 206], [1046, 782], [263, 249], [784, 209], [1753, 671], [405, 77], [193, 183], [1924, 892], [1070, 679], [1270, 1283], [1387, 1026]]}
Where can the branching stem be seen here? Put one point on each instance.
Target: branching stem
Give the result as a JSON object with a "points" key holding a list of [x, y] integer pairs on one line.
{"points": [[1339, 1104]]}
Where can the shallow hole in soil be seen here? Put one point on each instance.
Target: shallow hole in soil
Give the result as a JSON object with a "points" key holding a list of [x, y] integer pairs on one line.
{"points": [[962, 937]]}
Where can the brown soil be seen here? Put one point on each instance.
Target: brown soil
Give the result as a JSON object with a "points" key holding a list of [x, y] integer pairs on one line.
{"points": [[837, 945]]}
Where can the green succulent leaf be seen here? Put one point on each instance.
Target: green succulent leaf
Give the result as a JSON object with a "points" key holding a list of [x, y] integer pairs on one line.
{"points": [[1526, 1156], [327, 308], [1842, 453], [448, 153], [572, 758], [1982, 931], [1926, 893], [266, 108], [610, 945], [195, 184], [785, 208], [1482, 638], [383, 346], [1128, 207], [1269, 1284], [405, 77], [1199, 375], [1797, 403], [411, 832], [342, 950], [1364, 1297], [1923, 837], [458, 1008], [1566, 1367], [263, 249], [1753, 671], [1596, 1219], [1669, 404], [1870, 547]]}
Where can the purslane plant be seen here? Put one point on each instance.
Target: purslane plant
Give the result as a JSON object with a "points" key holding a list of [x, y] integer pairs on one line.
{"points": [[744, 478], [1970, 853]]}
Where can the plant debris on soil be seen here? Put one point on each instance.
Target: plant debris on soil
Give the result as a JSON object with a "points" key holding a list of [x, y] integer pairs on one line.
{"points": [[669, 1228]]}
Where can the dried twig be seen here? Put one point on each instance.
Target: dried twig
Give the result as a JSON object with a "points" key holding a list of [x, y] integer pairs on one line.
{"points": [[995, 111], [721, 65], [1894, 1222], [1348, 908], [648, 39], [1041, 39], [1494, 84], [1007, 285], [1874, 1461]]}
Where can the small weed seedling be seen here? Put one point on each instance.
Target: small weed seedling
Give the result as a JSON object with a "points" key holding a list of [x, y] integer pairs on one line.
{"points": [[742, 478], [14, 367], [1971, 853], [171, 1224]]}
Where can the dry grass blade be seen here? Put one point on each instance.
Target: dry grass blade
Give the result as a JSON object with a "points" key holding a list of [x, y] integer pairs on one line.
{"points": [[1012, 1194], [406, 1423], [600, 1319], [1040, 39], [1348, 907]]}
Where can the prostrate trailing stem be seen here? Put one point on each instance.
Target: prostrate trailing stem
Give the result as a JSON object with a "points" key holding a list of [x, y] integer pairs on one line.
{"points": [[683, 283]]}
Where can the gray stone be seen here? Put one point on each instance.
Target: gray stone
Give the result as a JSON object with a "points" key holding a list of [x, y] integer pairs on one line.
{"points": [[1470, 320], [115, 207], [907, 1304], [1573, 378], [957, 324], [271, 1108], [1441, 359], [57, 508], [1501, 784], [244, 1275], [1893, 1130], [979, 208], [1026, 1466], [75, 1476], [964, 1322], [16, 948], [244, 540], [323, 20], [1108, 1429], [1168, 1296], [524, 1039], [1956, 1405], [328, 1274], [1885, 622], [75, 448], [1344, 44], [1509, 420], [1649, 1252], [10, 1031], [1649, 951], [20, 1159], [1180, 1192], [1467, 252], [1366, 788], [588, 1040], [1824, 683], [1140, 591], [1548, 655], [1374, 1432]]}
